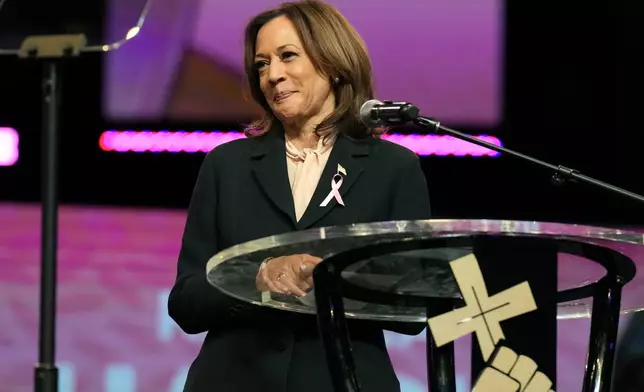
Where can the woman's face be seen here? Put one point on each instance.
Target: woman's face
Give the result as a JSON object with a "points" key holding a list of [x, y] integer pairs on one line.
{"points": [[293, 88]]}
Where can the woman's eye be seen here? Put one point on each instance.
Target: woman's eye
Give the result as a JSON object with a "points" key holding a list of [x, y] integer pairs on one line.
{"points": [[260, 64], [288, 55]]}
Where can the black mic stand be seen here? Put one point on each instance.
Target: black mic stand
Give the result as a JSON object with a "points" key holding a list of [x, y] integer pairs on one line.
{"points": [[605, 317], [53, 49], [561, 173]]}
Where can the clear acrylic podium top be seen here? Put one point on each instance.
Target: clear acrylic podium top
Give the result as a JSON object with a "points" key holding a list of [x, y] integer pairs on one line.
{"points": [[423, 272]]}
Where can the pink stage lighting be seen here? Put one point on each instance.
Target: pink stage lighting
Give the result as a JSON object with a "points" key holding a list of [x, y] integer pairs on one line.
{"points": [[8, 146], [200, 141]]}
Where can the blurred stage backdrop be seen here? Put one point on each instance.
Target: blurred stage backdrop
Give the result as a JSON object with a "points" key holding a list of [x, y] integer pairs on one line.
{"points": [[187, 63], [135, 124]]}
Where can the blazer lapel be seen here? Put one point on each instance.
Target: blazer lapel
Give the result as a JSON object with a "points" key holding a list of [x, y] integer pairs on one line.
{"points": [[269, 168], [344, 153]]}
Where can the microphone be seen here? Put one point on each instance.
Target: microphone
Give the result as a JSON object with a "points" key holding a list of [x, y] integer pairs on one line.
{"points": [[374, 113]]}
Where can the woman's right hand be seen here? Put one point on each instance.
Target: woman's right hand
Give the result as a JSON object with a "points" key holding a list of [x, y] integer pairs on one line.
{"points": [[287, 274]]}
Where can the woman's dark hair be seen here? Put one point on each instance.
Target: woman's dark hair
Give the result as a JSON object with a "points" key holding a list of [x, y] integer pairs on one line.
{"points": [[337, 52]]}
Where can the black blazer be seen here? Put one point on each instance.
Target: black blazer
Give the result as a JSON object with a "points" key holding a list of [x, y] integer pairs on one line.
{"points": [[242, 193]]}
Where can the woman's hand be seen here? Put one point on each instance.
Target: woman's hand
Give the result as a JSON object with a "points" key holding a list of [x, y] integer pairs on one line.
{"points": [[287, 274]]}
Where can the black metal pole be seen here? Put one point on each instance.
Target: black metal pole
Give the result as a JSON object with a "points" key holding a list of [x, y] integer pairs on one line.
{"points": [[604, 324], [333, 328], [46, 373], [561, 173], [441, 368]]}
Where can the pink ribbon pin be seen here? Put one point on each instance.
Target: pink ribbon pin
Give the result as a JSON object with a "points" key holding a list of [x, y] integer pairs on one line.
{"points": [[335, 187]]}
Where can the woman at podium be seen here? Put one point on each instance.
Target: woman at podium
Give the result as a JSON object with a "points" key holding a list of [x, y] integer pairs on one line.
{"points": [[309, 162]]}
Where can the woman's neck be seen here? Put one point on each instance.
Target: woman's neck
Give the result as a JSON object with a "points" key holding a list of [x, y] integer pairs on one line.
{"points": [[304, 140], [302, 135]]}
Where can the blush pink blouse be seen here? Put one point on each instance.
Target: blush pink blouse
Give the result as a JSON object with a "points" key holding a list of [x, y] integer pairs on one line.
{"points": [[304, 171]]}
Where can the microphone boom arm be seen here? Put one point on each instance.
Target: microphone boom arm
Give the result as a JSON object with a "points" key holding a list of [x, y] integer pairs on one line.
{"points": [[561, 173]]}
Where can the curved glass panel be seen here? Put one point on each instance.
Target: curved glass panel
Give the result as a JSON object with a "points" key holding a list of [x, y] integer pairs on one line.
{"points": [[423, 272]]}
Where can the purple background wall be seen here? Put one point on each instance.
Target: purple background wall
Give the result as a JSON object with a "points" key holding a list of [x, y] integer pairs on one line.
{"points": [[445, 56]]}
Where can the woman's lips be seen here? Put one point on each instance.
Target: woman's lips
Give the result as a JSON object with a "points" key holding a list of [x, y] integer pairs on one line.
{"points": [[282, 96]]}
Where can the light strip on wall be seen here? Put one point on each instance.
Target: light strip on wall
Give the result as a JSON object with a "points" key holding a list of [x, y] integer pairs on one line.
{"points": [[8, 146], [146, 141]]}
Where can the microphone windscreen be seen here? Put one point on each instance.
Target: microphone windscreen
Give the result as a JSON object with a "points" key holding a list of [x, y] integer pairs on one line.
{"points": [[365, 113]]}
